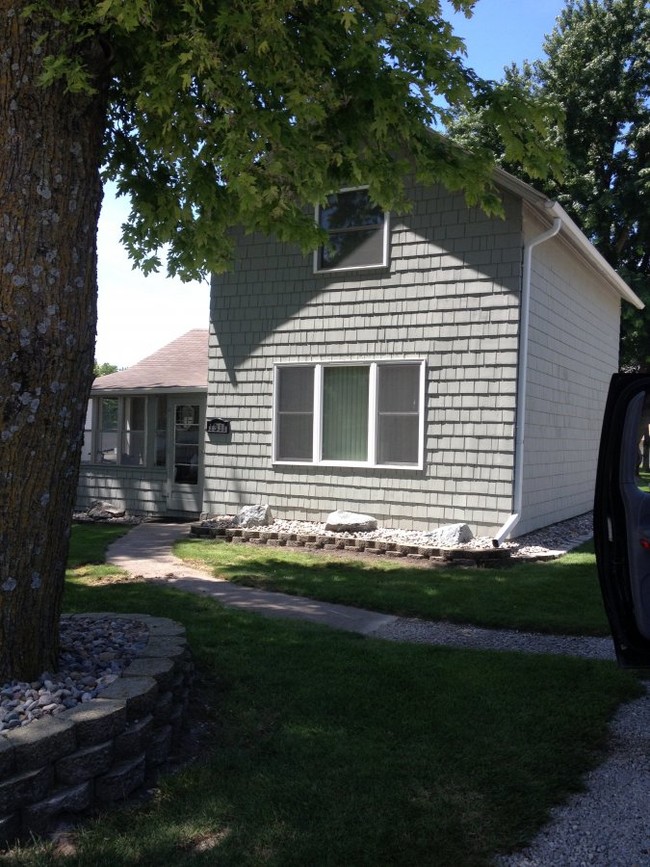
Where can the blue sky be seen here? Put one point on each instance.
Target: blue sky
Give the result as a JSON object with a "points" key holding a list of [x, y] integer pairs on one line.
{"points": [[137, 315]]}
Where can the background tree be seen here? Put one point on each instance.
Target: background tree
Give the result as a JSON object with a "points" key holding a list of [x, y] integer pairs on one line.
{"points": [[208, 115], [104, 368], [597, 70]]}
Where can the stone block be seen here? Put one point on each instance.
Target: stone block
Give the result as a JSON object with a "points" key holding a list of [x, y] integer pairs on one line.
{"points": [[162, 626], [176, 720], [163, 708], [42, 741], [84, 764], [25, 788], [174, 647], [138, 694], [7, 757], [121, 780], [37, 817], [132, 740], [161, 669], [159, 746], [10, 827], [97, 721]]}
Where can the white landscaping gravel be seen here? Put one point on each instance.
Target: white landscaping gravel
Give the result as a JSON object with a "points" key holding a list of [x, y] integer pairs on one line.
{"points": [[607, 825]]}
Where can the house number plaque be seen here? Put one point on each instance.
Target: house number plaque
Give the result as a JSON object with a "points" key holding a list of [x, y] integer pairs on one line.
{"points": [[218, 426]]}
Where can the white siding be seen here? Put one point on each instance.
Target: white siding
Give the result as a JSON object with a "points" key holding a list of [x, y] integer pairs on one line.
{"points": [[450, 296], [573, 350]]}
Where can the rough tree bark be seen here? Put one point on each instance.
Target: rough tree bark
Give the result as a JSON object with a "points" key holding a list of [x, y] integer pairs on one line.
{"points": [[50, 154]]}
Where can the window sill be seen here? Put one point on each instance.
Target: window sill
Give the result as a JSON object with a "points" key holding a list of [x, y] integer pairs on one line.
{"points": [[349, 464]]}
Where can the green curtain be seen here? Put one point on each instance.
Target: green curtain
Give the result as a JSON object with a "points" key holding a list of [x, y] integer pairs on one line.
{"points": [[345, 413]]}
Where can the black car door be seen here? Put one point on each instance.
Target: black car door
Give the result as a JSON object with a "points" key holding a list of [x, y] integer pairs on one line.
{"points": [[622, 517]]}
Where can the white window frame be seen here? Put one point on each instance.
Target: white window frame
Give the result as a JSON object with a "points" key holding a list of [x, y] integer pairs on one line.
{"points": [[317, 445], [385, 243]]}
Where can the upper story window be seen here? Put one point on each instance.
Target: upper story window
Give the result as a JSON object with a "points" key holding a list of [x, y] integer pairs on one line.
{"points": [[357, 232]]}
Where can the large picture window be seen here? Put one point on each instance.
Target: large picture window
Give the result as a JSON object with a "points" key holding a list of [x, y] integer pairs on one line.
{"points": [[350, 414], [357, 232]]}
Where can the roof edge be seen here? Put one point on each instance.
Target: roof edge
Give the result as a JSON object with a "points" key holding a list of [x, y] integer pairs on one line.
{"points": [[551, 209]]}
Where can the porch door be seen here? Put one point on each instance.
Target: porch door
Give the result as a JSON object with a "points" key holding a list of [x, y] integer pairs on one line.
{"points": [[186, 466]]}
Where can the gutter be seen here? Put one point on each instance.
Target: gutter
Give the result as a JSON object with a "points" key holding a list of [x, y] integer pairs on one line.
{"points": [[522, 377]]}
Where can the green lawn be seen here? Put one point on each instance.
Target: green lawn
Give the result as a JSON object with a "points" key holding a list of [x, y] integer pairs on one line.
{"points": [[561, 596], [325, 748]]}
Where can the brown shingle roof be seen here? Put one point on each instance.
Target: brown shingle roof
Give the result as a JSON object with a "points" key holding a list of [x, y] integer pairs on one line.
{"points": [[181, 364]]}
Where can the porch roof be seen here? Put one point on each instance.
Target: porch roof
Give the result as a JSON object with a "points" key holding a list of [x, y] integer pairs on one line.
{"points": [[181, 364]]}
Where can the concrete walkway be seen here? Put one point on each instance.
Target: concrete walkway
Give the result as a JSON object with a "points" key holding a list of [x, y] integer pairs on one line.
{"points": [[146, 551]]}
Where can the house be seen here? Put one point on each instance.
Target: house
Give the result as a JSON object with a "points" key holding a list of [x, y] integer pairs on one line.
{"points": [[144, 438], [429, 367]]}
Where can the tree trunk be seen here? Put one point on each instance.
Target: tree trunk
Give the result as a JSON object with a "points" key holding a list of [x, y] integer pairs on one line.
{"points": [[50, 153]]}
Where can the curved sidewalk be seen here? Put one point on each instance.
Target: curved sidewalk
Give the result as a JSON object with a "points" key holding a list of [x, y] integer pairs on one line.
{"points": [[146, 551]]}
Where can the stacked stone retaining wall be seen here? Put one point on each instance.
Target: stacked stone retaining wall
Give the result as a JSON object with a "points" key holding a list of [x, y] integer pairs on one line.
{"points": [[315, 542], [101, 751]]}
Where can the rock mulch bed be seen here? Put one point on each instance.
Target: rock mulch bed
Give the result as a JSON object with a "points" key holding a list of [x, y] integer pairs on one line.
{"points": [[103, 750], [546, 544], [357, 543], [93, 653]]}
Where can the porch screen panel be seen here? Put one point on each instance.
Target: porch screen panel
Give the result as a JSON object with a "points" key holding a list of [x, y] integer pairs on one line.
{"points": [[186, 444], [87, 448], [345, 413], [108, 437], [398, 413], [295, 414], [160, 456], [134, 432]]}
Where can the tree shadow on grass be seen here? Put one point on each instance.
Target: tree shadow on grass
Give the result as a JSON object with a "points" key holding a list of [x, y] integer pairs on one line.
{"points": [[334, 749], [561, 596]]}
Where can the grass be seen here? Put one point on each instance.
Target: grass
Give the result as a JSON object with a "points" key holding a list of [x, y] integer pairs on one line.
{"points": [[329, 749], [561, 596], [88, 545]]}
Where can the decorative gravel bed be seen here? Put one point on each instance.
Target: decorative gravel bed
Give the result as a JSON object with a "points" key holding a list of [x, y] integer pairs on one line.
{"points": [[551, 541], [93, 654]]}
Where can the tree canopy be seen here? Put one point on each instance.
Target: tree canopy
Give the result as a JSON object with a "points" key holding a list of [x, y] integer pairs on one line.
{"points": [[104, 368], [239, 113], [208, 115], [596, 69]]}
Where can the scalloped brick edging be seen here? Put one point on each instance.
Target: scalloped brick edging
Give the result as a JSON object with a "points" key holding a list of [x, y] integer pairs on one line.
{"points": [[102, 751], [312, 542]]}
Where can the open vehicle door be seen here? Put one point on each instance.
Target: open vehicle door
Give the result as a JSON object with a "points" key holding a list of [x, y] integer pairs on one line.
{"points": [[622, 517]]}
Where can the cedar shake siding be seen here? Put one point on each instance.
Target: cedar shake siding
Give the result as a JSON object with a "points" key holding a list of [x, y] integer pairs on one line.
{"points": [[449, 297]]}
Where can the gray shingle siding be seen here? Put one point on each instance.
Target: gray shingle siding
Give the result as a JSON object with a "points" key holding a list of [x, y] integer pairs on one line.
{"points": [[450, 297], [138, 490]]}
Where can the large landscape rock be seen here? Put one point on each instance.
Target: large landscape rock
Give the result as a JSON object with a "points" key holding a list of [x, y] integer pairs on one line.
{"points": [[101, 511], [450, 535], [349, 522], [254, 516]]}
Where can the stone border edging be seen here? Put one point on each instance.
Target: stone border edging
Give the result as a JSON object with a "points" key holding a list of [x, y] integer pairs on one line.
{"points": [[313, 542], [101, 751]]}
